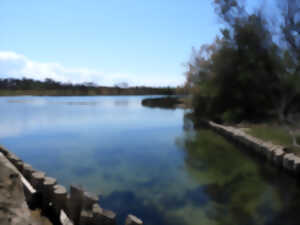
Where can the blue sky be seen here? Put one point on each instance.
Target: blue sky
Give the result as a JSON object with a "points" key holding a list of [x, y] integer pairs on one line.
{"points": [[136, 41]]}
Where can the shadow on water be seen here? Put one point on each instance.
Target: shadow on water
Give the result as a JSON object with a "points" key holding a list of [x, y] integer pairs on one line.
{"points": [[169, 102], [132, 159], [287, 187], [242, 188]]}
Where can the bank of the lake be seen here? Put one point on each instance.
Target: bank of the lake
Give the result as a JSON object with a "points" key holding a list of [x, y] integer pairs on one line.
{"points": [[270, 140], [150, 159], [167, 102], [279, 155], [96, 92], [14, 209], [24, 188]]}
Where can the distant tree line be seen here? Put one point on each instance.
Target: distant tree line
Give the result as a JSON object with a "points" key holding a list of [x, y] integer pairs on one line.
{"points": [[12, 86], [252, 70]]}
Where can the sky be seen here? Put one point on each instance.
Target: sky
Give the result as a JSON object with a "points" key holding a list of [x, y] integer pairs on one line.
{"points": [[140, 42]]}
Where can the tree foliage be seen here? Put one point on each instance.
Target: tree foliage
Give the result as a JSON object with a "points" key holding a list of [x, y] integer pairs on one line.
{"points": [[12, 86], [247, 73]]}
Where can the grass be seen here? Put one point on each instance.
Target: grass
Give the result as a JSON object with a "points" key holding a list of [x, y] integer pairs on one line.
{"points": [[274, 133]]}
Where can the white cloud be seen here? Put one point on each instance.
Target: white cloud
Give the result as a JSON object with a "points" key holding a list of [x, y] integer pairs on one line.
{"points": [[18, 66]]}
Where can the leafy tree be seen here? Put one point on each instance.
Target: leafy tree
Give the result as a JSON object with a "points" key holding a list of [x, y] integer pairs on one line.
{"points": [[246, 73]]}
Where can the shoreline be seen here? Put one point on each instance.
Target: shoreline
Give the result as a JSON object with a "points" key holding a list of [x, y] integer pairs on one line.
{"points": [[80, 95], [276, 154], [166, 102], [60, 207]]}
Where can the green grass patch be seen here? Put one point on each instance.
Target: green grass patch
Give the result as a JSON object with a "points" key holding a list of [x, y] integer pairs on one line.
{"points": [[274, 133], [271, 132]]}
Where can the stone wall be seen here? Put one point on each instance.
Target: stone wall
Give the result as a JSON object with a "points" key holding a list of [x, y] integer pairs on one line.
{"points": [[76, 207], [274, 153], [13, 207]]}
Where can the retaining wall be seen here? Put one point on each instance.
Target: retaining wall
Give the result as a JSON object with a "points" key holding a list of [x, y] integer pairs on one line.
{"points": [[76, 207], [276, 154]]}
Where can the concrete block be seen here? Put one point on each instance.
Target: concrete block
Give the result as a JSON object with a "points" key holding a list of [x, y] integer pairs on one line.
{"points": [[278, 157], [13, 158], [133, 220], [296, 165], [20, 166], [89, 199], [28, 171], [288, 161], [75, 203], [102, 216], [37, 180], [59, 198], [86, 217], [47, 191], [269, 154], [4, 150], [109, 217]]}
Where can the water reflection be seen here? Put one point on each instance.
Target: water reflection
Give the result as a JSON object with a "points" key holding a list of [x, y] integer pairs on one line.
{"points": [[148, 162], [21, 115], [240, 187]]}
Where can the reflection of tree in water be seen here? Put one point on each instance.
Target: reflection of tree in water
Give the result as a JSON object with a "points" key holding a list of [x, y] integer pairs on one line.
{"points": [[238, 193], [224, 186], [188, 124]]}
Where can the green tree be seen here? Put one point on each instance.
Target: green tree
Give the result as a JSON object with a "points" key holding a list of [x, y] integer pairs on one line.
{"points": [[246, 73]]}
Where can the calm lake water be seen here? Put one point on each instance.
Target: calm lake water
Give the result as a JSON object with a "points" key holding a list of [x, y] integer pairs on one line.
{"points": [[148, 162]]}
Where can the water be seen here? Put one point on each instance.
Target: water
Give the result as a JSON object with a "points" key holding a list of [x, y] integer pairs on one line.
{"points": [[148, 162]]}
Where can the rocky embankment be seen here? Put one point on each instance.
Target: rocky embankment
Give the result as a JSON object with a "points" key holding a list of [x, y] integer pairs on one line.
{"points": [[276, 154], [13, 206], [21, 184]]}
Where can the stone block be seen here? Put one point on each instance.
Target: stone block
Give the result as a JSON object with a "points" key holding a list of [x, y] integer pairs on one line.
{"points": [[37, 180], [133, 220], [278, 157], [86, 217], [59, 198], [288, 161], [75, 203], [297, 165], [102, 216], [47, 191], [89, 199], [4, 150], [28, 171]]}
